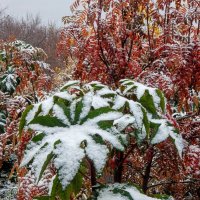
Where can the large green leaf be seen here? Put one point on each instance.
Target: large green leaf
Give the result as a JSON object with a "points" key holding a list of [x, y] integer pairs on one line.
{"points": [[45, 164], [62, 104], [147, 101], [47, 121], [78, 109], [64, 194], [162, 100], [23, 118], [97, 112]]}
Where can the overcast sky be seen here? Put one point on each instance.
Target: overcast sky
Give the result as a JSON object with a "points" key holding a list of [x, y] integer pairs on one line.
{"points": [[48, 10]]}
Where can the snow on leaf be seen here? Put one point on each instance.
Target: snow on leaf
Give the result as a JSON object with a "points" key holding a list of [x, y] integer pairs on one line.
{"points": [[87, 103], [105, 91], [59, 113], [119, 102], [124, 121], [178, 140], [166, 130], [133, 87], [124, 192], [8, 81], [64, 139], [103, 117], [70, 84], [93, 149], [99, 102], [47, 105], [64, 95], [136, 110], [72, 127], [163, 131], [31, 113]]}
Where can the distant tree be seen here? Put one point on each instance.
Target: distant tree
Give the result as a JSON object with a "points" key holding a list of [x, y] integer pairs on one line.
{"points": [[31, 30]]}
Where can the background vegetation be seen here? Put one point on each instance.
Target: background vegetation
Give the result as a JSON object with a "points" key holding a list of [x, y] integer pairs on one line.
{"points": [[156, 44]]}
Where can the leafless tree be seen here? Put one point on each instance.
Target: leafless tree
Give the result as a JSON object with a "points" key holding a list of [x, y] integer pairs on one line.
{"points": [[31, 30]]}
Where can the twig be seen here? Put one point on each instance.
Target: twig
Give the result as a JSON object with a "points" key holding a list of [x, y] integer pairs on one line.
{"points": [[174, 182]]}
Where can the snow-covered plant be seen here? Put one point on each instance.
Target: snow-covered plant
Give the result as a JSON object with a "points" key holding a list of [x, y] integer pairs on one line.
{"points": [[125, 192], [23, 80], [2, 121], [153, 101], [23, 68], [81, 126], [9, 80], [29, 53]]}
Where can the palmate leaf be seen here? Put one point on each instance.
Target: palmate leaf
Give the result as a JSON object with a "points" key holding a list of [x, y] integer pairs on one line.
{"points": [[83, 124], [153, 101], [138, 116], [69, 147], [151, 98], [72, 126], [125, 192]]}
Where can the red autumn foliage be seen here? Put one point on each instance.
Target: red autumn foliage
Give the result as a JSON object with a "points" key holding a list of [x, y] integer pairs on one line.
{"points": [[156, 43], [23, 80]]}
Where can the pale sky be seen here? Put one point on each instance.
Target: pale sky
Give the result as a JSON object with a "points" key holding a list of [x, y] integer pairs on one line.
{"points": [[48, 10]]}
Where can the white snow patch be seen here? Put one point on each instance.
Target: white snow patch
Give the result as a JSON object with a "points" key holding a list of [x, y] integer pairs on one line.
{"points": [[163, 131], [47, 105], [124, 121], [31, 113], [136, 110], [64, 95], [119, 102], [99, 102], [87, 102], [59, 113]]}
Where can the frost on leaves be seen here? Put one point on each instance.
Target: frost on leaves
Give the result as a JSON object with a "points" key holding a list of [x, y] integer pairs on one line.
{"points": [[84, 123], [126, 192]]}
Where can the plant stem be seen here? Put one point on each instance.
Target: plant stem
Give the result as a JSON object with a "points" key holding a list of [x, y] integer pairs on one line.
{"points": [[92, 174], [147, 171], [173, 182], [119, 168]]}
